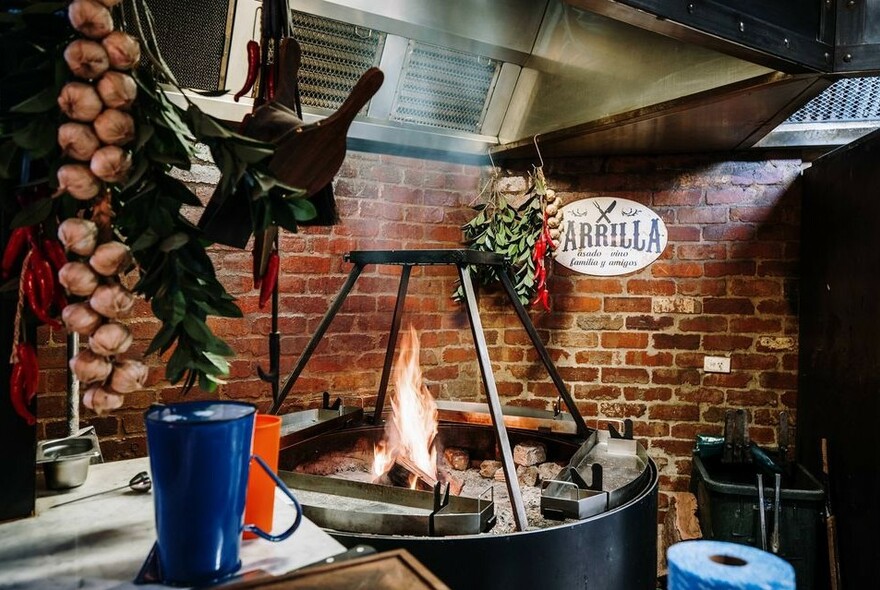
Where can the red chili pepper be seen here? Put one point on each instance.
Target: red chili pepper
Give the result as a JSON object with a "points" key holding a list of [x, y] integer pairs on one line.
{"points": [[270, 279], [253, 57], [54, 252], [18, 394], [15, 248], [33, 291], [27, 358]]}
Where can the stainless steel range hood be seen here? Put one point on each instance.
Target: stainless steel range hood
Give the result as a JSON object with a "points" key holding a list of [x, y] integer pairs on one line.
{"points": [[585, 76]]}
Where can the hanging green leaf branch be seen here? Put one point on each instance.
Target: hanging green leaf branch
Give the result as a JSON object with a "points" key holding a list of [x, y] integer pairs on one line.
{"points": [[521, 233], [85, 134]]}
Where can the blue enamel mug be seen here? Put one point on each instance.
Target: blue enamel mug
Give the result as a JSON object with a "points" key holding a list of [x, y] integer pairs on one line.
{"points": [[199, 458]]}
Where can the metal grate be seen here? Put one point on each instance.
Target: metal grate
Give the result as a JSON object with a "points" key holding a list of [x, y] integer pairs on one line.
{"points": [[197, 61], [444, 88], [334, 55], [848, 100]]}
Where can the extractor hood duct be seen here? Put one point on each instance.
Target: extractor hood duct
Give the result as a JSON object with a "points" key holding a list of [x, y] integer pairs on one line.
{"points": [[464, 77]]}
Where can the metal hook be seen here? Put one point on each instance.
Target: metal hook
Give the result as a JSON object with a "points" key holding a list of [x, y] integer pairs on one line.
{"points": [[357, 32], [258, 18], [492, 161], [537, 149]]}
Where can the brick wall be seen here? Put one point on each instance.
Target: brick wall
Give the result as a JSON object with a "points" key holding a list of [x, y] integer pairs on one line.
{"points": [[628, 347]]}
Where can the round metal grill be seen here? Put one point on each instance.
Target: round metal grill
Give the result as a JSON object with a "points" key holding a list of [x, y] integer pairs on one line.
{"points": [[334, 55], [444, 88], [851, 99]]}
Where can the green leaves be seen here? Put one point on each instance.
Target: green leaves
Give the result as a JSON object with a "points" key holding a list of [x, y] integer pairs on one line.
{"points": [[512, 232]]}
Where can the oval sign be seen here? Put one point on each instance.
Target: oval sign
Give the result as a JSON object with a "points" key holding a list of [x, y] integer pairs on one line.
{"points": [[608, 236]]}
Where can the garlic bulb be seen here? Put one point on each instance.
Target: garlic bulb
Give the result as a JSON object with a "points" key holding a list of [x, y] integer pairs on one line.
{"points": [[111, 164], [78, 278], [78, 181], [80, 102], [112, 301], [128, 375], [77, 141], [100, 400], [90, 367], [123, 50], [114, 127], [81, 318], [117, 90], [110, 259], [90, 18], [110, 339], [79, 236], [86, 59]]}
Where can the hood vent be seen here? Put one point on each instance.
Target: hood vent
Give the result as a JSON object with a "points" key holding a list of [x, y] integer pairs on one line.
{"points": [[334, 55], [443, 88], [848, 100]]}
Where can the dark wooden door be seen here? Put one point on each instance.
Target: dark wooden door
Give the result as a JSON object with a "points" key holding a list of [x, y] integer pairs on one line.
{"points": [[839, 390]]}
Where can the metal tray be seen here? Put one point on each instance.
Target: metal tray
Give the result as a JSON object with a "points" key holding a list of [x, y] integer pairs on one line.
{"points": [[299, 426], [624, 472], [70, 448], [361, 507]]}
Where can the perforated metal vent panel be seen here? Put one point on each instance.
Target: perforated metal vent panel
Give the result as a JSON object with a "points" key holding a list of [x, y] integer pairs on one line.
{"points": [[334, 55], [444, 88], [197, 60], [852, 99]]}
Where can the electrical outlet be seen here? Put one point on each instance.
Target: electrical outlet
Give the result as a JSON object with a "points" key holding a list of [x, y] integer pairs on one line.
{"points": [[716, 364]]}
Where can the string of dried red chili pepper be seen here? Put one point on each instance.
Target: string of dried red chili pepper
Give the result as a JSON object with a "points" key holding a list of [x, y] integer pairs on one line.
{"points": [[270, 279]]}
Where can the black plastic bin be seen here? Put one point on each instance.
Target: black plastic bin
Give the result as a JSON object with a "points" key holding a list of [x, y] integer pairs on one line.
{"points": [[727, 498]]}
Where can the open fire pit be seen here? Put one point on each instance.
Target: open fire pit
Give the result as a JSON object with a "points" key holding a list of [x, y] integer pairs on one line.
{"points": [[574, 508]]}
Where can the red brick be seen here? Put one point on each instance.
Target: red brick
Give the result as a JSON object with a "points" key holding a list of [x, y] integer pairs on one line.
{"points": [[650, 287], [676, 341], [646, 359], [622, 410], [624, 340], [689, 360], [704, 287], [581, 374], [594, 357], [703, 215], [702, 252], [703, 395], [713, 342], [730, 195], [753, 398], [647, 394], [770, 307], [607, 286], [704, 323], [728, 305], [677, 197], [647, 322], [754, 214], [597, 392], [728, 233], [689, 430], [755, 325], [675, 376], [753, 287], [578, 303], [755, 251], [675, 412], [621, 375], [775, 380], [772, 268], [677, 269], [650, 429], [630, 304], [726, 269], [739, 362], [741, 379], [683, 233]]}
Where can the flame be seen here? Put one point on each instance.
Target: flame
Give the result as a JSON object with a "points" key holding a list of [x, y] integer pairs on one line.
{"points": [[412, 427]]}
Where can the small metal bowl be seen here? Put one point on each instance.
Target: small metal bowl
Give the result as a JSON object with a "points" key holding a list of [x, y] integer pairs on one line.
{"points": [[66, 461]]}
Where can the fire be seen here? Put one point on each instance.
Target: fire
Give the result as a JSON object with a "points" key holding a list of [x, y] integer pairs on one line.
{"points": [[412, 427]]}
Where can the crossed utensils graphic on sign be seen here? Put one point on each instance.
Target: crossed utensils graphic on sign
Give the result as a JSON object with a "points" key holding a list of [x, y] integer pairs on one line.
{"points": [[603, 213]]}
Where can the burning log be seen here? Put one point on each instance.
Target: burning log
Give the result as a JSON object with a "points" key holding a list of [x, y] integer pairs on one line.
{"points": [[406, 470]]}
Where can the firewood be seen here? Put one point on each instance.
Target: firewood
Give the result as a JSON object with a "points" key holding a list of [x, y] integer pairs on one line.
{"points": [[457, 458], [428, 481], [529, 453], [489, 468]]}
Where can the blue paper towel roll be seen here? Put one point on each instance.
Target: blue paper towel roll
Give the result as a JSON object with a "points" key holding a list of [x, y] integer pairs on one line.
{"points": [[716, 565]]}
